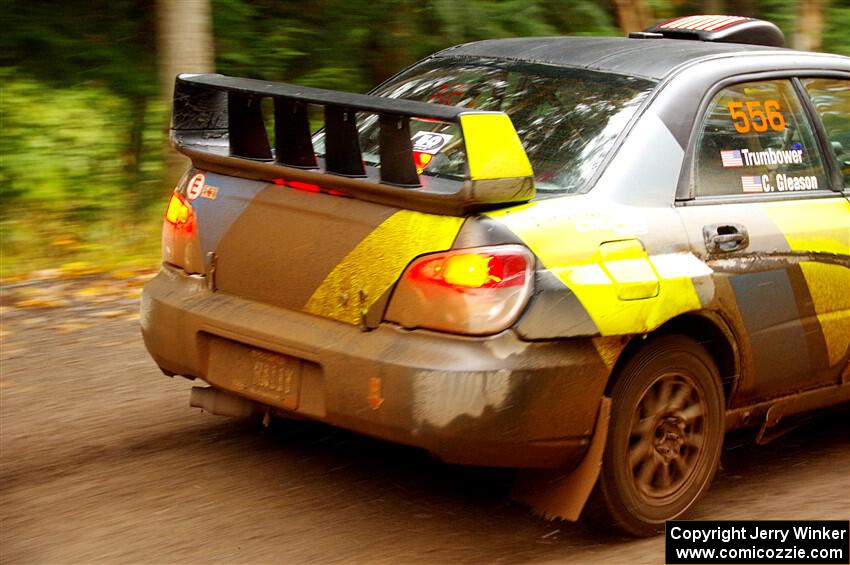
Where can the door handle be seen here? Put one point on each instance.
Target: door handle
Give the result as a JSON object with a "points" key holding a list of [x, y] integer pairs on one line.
{"points": [[725, 238]]}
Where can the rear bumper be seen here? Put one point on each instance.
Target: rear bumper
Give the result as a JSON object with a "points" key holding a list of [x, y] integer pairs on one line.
{"points": [[495, 401]]}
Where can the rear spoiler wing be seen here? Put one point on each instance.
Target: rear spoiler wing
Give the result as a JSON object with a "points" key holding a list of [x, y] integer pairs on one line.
{"points": [[218, 122]]}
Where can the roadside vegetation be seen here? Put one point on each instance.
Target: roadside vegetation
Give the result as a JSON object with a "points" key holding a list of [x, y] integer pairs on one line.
{"points": [[84, 167]]}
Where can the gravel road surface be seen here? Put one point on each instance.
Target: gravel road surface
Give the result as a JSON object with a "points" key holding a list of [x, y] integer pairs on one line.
{"points": [[102, 460]]}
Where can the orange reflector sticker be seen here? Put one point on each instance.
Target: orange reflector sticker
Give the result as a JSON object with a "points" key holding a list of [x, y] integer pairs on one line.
{"points": [[374, 397]]}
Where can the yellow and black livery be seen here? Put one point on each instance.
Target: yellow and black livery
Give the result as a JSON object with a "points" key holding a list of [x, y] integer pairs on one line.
{"points": [[488, 314]]}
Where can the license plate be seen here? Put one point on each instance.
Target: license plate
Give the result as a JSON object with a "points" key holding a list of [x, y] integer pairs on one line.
{"points": [[257, 373]]}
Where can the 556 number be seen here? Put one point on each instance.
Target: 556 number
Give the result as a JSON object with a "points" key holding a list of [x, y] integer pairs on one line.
{"points": [[755, 116]]}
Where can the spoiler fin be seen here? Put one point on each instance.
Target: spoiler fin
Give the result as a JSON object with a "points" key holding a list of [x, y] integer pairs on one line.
{"points": [[218, 122]]}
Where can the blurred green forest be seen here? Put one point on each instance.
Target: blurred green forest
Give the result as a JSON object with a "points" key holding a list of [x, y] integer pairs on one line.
{"points": [[84, 167]]}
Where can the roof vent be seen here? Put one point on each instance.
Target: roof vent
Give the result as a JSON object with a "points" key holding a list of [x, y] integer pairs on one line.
{"points": [[725, 29]]}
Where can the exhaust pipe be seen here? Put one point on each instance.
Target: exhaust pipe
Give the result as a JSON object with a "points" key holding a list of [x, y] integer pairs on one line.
{"points": [[221, 403]]}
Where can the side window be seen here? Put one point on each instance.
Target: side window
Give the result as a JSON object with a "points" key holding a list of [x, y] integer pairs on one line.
{"points": [[831, 99], [756, 139]]}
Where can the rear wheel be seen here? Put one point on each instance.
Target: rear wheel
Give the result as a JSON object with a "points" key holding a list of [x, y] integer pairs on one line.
{"points": [[665, 435]]}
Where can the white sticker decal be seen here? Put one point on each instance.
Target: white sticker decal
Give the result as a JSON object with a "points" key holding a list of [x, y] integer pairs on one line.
{"points": [[430, 142], [772, 157], [195, 187], [779, 183], [785, 183]]}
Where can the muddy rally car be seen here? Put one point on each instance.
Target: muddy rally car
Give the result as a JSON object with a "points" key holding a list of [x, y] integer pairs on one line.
{"points": [[586, 258]]}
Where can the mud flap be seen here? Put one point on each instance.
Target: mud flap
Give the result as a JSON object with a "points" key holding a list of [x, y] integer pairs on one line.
{"points": [[555, 495]]}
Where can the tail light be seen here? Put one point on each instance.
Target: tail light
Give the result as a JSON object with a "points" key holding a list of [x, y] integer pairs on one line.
{"points": [[179, 213], [475, 291], [180, 245], [421, 160]]}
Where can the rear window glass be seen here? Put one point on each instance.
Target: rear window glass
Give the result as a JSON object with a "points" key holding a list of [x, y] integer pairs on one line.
{"points": [[568, 119]]}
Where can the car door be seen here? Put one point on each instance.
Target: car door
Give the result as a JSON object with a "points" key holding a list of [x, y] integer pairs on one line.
{"points": [[767, 219], [830, 100]]}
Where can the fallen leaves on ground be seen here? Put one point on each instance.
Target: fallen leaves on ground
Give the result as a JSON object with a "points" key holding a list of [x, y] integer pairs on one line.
{"points": [[42, 302], [108, 313], [75, 284], [79, 269], [70, 327]]}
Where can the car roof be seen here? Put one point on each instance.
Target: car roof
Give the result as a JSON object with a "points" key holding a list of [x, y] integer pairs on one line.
{"points": [[650, 58]]}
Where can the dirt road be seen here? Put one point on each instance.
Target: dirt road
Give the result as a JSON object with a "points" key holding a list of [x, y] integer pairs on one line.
{"points": [[102, 460]]}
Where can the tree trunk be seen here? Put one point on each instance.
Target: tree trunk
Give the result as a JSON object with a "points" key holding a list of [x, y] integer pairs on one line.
{"points": [[184, 45], [389, 42], [141, 196], [632, 15], [809, 32]]}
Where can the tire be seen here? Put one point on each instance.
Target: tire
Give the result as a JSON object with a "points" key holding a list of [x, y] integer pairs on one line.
{"points": [[665, 435]]}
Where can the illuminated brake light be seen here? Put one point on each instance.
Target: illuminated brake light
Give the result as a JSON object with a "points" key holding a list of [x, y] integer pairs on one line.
{"points": [[307, 187], [421, 160], [476, 291], [472, 270], [179, 212], [180, 243]]}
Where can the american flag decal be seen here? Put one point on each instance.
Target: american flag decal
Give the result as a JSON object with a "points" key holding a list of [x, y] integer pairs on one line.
{"points": [[731, 158], [702, 23], [751, 183]]}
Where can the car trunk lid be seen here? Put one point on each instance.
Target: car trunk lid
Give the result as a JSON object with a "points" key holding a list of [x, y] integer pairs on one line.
{"points": [[328, 255]]}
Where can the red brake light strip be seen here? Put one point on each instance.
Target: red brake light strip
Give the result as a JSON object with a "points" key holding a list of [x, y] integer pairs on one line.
{"points": [[307, 187]]}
